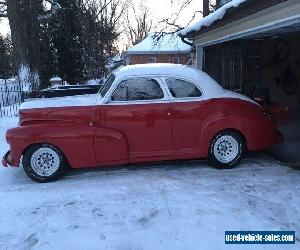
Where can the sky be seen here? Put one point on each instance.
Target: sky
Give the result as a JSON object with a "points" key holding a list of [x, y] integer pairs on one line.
{"points": [[163, 8], [159, 10]]}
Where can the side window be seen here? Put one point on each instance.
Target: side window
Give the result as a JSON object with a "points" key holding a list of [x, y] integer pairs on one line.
{"points": [[138, 89], [181, 88]]}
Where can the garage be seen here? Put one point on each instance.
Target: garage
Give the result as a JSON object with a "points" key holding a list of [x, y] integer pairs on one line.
{"points": [[252, 47]]}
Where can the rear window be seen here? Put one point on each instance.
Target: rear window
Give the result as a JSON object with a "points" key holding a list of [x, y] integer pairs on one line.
{"points": [[181, 89]]}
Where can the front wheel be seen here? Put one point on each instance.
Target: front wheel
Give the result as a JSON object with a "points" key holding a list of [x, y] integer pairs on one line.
{"points": [[226, 149], [44, 163]]}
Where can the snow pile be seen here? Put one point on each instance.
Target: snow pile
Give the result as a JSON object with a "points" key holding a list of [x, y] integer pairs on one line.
{"points": [[93, 82], [210, 19], [54, 79], [155, 43]]}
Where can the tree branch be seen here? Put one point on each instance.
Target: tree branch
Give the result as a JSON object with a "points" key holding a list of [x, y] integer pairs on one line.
{"points": [[171, 22]]}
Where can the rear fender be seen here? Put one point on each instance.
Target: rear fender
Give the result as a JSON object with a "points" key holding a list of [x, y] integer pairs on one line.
{"points": [[217, 123]]}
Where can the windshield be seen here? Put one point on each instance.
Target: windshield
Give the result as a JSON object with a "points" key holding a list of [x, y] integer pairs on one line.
{"points": [[106, 86]]}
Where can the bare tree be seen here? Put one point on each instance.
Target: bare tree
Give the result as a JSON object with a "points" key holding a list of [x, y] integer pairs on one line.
{"points": [[23, 22], [137, 23], [24, 17], [171, 23], [101, 19]]}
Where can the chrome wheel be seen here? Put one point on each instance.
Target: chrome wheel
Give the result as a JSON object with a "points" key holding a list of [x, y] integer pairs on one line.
{"points": [[226, 149], [45, 161]]}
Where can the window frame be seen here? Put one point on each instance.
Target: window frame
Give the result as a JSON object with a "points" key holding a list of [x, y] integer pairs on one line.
{"points": [[166, 97]]}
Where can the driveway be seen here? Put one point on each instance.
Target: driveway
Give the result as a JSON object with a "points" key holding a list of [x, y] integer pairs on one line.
{"points": [[170, 205]]}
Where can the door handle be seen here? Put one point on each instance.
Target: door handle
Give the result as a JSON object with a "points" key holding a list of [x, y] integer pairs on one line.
{"points": [[169, 113]]}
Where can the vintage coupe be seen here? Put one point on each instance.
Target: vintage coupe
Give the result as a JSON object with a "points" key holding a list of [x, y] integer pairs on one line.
{"points": [[142, 113]]}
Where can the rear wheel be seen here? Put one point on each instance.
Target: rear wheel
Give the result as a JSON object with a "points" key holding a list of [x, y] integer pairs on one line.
{"points": [[44, 163], [226, 149]]}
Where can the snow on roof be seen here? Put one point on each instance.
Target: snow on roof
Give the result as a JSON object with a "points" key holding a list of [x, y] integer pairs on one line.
{"points": [[210, 19], [165, 43], [56, 78]]}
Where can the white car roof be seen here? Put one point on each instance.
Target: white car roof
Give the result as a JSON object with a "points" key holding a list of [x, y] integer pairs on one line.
{"points": [[203, 80], [209, 87]]}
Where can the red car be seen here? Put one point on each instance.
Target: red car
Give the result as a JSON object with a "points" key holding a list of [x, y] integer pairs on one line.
{"points": [[142, 113]]}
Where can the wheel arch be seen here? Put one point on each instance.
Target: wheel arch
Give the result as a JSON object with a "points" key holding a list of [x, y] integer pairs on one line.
{"points": [[46, 143], [213, 128], [75, 141], [230, 130]]}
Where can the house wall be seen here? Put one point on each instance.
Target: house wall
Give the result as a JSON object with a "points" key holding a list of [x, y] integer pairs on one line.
{"points": [[160, 58], [250, 23]]}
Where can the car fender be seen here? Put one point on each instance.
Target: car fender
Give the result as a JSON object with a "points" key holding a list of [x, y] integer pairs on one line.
{"points": [[74, 140], [216, 123]]}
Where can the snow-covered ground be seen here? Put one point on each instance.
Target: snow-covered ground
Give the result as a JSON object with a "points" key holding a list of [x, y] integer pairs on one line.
{"points": [[174, 205]]}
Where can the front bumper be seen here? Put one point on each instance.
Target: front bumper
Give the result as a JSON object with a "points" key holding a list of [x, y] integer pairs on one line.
{"points": [[8, 160]]}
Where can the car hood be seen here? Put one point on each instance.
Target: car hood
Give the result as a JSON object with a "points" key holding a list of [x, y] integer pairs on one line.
{"points": [[67, 101], [73, 109]]}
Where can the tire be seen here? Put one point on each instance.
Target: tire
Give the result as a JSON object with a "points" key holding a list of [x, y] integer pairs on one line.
{"points": [[44, 163], [226, 149]]}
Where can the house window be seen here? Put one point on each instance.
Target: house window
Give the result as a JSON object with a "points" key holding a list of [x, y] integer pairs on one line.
{"points": [[151, 60], [176, 60]]}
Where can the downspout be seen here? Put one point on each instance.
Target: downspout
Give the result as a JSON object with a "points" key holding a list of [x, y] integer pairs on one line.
{"points": [[193, 48], [186, 42]]}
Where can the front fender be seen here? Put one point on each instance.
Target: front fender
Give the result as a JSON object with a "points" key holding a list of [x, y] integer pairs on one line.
{"points": [[74, 140]]}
